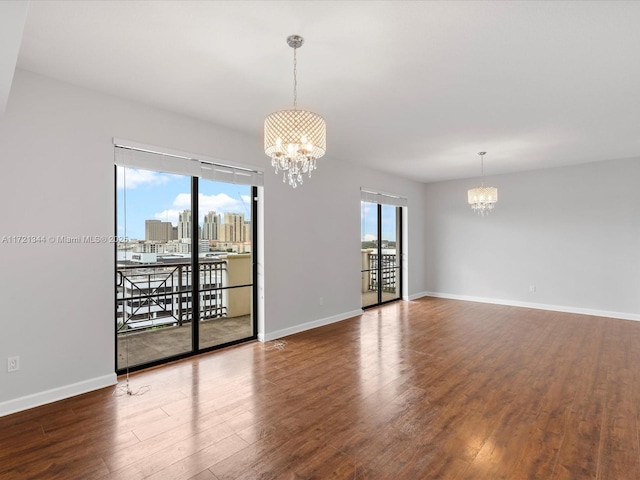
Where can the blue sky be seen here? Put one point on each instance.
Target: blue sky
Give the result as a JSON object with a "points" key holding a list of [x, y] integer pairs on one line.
{"points": [[162, 196], [369, 219]]}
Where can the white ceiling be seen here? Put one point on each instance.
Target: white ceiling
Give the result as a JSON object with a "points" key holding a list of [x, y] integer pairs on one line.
{"points": [[415, 88]]}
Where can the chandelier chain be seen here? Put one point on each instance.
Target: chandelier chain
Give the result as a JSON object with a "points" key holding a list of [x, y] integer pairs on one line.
{"points": [[295, 79], [482, 154]]}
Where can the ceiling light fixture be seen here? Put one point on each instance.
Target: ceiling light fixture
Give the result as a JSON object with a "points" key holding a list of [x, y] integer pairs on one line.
{"points": [[482, 199], [294, 139]]}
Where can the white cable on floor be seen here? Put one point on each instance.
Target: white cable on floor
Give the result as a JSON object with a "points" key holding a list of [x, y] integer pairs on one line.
{"points": [[121, 390]]}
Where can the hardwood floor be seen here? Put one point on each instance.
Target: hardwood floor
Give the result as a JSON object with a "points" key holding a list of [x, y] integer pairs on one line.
{"points": [[429, 389]]}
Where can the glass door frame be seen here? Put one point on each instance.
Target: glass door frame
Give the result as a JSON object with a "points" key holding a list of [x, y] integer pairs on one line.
{"points": [[195, 287], [399, 255]]}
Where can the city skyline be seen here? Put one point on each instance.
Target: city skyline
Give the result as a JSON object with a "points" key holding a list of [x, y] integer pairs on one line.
{"points": [[227, 227], [150, 195]]}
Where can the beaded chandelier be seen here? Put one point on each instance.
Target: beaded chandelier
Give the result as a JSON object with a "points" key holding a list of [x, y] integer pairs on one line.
{"points": [[482, 199], [294, 139]]}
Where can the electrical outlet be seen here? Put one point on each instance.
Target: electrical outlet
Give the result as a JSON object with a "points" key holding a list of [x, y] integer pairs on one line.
{"points": [[321, 301], [532, 288], [13, 364]]}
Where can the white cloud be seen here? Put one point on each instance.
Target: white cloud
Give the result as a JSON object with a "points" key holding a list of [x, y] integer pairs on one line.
{"points": [[219, 203], [182, 201], [368, 210], [169, 215], [134, 178], [369, 237]]}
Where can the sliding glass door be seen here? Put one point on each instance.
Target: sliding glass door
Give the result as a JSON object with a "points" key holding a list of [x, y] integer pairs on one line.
{"points": [[380, 253], [226, 263], [185, 264], [369, 250], [389, 253], [153, 316]]}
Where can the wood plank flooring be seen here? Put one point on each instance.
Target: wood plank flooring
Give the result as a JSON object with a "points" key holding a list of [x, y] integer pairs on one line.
{"points": [[428, 389]]}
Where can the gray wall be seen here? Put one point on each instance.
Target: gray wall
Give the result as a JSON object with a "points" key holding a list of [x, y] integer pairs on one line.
{"points": [[57, 179], [572, 232]]}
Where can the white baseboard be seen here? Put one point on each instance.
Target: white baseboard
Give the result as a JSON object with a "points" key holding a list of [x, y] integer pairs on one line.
{"points": [[416, 296], [266, 337], [55, 394], [538, 306]]}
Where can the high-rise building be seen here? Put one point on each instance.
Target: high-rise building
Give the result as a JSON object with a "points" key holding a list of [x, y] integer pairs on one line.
{"points": [[225, 233], [184, 225], [246, 235], [236, 231], [158, 231], [211, 226]]}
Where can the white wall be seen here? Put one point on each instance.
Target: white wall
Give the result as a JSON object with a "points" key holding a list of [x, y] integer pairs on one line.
{"points": [[572, 232], [57, 179], [12, 18]]}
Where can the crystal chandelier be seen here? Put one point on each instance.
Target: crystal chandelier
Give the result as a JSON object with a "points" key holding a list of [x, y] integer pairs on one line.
{"points": [[482, 199], [294, 139]]}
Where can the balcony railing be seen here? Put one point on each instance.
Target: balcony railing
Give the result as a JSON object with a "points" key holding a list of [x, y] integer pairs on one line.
{"points": [[379, 271], [160, 294]]}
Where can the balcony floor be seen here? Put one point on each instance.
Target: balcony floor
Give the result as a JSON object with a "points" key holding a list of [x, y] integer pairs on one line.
{"points": [[148, 346]]}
